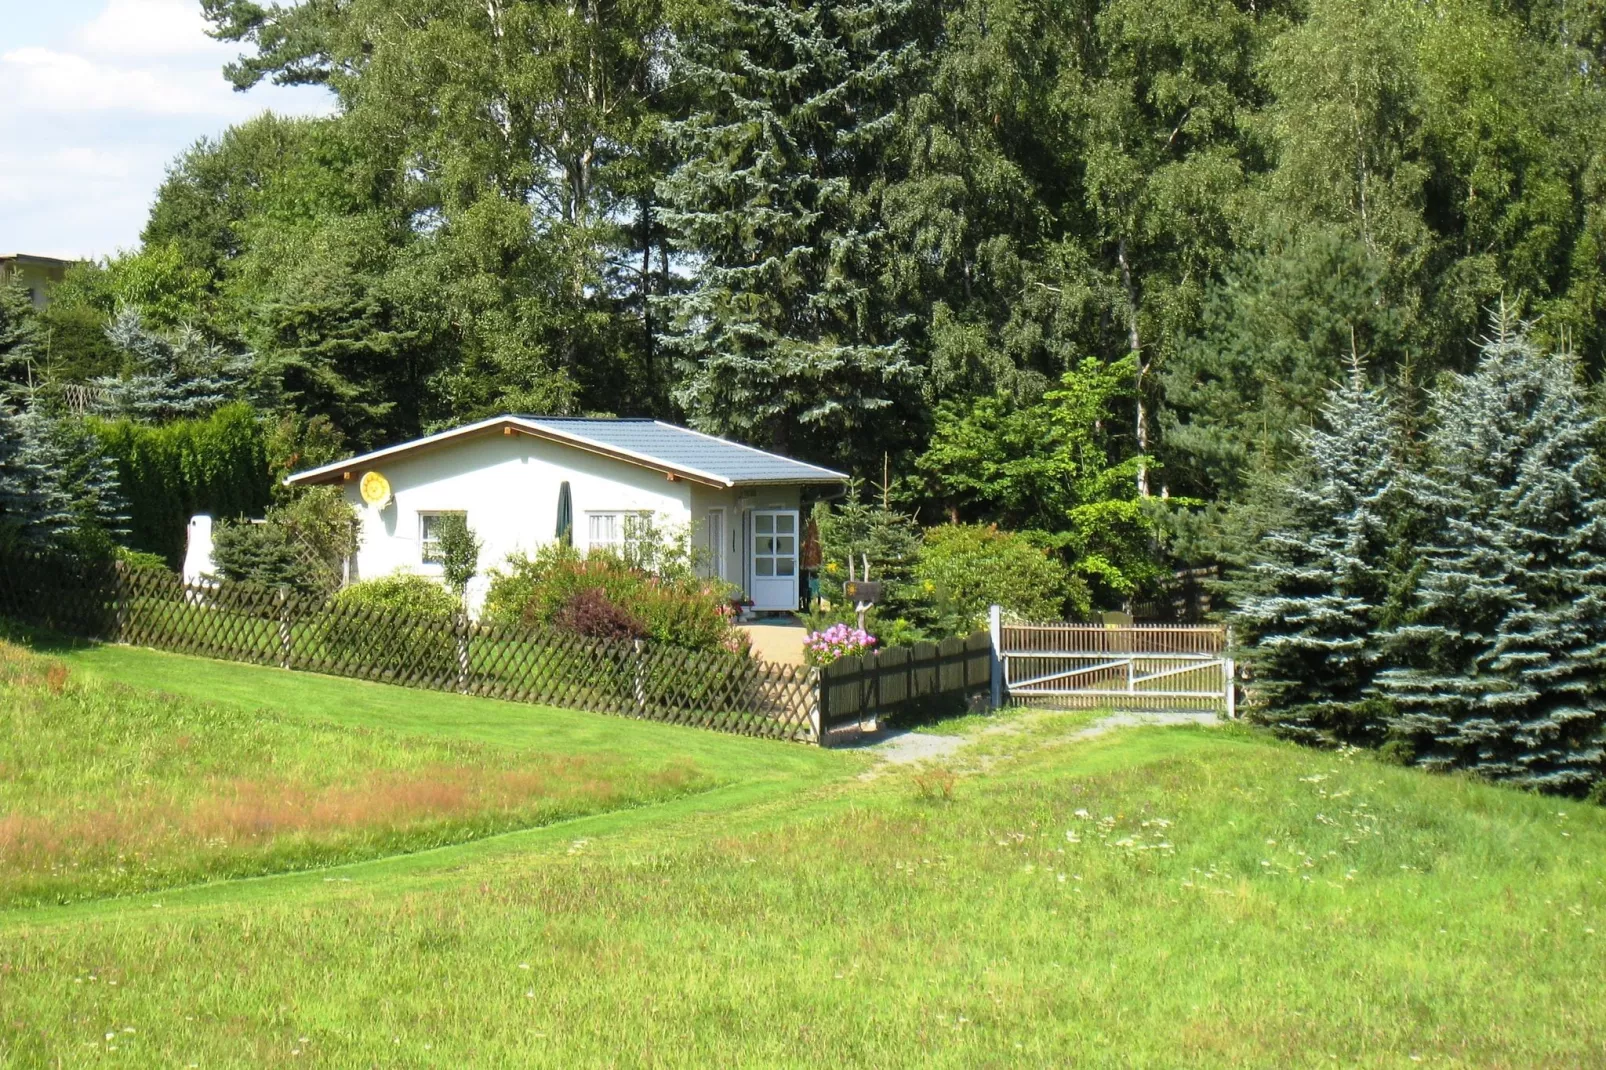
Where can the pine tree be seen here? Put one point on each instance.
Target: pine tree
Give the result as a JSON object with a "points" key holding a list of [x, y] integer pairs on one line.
{"points": [[1310, 603], [19, 336], [78, 504], [171, 376], [1504, 654], [20, 511], [775, 203]]}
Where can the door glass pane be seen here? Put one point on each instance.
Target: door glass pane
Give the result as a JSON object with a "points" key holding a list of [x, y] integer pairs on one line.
{"points": [[783, 544], [784, 522], [783, 566], [763, 566], [764, 522], [764, 544]]}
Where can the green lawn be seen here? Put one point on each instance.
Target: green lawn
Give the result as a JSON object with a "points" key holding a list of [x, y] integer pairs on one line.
{"points": [[1149, 897], [126, 770]]}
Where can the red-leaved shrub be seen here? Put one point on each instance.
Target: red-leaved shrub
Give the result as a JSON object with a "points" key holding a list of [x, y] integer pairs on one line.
{"points": [[590, 612]]}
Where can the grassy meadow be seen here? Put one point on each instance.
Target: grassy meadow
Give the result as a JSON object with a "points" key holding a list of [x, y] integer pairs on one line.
{"points": [[1146, 897], [108, 788]]}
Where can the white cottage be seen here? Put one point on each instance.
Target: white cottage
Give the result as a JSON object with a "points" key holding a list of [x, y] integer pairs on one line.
{"points": [[507, 474]]}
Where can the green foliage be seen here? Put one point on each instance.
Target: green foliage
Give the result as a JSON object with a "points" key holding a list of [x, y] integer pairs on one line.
{"points": [[217, 465], [74, 323], [261, 553], [780, 337], [1055, 466], [58, 487], [459, 550], [553, 589], [965, 568], [167, 292], [1497, 667], [303, 543], [295, 443], [853, 533], [1312, 605], [170, 375], [411, 628], [20, 341]]}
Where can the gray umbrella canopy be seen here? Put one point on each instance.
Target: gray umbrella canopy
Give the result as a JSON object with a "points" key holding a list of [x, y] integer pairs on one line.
{"points": [[565, 515]]}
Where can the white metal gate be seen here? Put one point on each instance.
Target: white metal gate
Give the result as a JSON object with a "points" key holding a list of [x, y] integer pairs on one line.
{"points": [[1145, 666]]}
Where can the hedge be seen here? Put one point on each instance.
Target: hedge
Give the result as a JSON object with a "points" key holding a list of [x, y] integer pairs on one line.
{"points": [[168, 473]]}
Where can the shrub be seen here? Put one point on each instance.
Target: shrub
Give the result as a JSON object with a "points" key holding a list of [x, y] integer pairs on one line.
{"points": [[539, 590], [589, 612], [399, 623], [460, 551], [965, 568], [263, 554], [300, 545], [216, 465]]}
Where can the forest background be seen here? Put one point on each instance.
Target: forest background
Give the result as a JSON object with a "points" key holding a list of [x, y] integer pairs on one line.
{"points": [[1084, 269]]}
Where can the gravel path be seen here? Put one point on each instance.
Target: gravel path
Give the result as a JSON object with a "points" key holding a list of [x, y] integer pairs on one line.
{"points": [[901, 748]]}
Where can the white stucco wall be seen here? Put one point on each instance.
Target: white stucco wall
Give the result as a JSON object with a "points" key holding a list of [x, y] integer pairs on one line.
{"points": [[737, 502], [508, 486]]}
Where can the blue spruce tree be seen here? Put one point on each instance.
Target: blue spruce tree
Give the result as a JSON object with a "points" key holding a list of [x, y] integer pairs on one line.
{"points": [[65, 485], [21, 510], [1503, 654], [170, 376], [1309, 603], [775, 208]]}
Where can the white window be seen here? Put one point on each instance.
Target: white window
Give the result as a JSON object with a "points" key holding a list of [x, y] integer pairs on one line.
{"points": [[429, 543], [616, 531]]}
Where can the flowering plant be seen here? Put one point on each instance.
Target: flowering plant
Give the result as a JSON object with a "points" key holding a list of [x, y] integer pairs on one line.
{"points": [[837, 641]]}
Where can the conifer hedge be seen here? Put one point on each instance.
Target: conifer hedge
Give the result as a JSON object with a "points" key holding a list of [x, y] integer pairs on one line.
{"points": [[216, 465]]}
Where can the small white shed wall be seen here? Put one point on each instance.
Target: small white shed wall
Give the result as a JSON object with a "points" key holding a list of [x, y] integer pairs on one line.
{"points": [[508, 486], [737, 502]]}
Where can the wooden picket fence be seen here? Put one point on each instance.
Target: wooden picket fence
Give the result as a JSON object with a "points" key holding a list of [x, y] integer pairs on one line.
{"points": [[264, 626], [854, 689], [1140, 667]]}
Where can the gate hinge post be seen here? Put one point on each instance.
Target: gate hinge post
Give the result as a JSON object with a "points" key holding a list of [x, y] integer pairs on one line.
{"points": [[995, 631]]}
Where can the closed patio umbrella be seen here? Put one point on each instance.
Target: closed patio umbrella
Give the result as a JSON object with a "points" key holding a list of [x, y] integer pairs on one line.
{"points": [[565, 515]]}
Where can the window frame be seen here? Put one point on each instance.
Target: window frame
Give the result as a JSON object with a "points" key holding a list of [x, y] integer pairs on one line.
{"points": [[621, 544], [424, 541]]}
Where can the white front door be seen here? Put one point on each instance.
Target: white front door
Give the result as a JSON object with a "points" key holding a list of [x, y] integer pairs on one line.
{"points": [[774, 560]]}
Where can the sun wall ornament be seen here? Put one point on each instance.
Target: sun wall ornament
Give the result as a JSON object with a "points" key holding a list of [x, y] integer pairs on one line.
{"points": [[375, 490]]}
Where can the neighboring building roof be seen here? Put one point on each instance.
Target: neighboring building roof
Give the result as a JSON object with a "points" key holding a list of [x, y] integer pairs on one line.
{"points": [[676, 451], [45, 261]]}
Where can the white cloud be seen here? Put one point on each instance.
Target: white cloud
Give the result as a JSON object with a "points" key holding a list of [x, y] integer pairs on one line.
{"points": [[150, 28], [44, 80], [96, 111]]}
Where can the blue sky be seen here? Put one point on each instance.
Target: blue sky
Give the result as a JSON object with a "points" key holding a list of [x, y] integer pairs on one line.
{"points": [[96, 99]]}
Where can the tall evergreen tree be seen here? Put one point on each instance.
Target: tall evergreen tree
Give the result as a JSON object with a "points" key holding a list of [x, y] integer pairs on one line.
{"points": [[20, 509], [19, 337], [1505, 651], [1309, 606], [171, 376], [780, 337]]}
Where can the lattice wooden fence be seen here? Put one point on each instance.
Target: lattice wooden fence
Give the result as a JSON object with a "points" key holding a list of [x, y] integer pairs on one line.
{"points": [[243, 622]]}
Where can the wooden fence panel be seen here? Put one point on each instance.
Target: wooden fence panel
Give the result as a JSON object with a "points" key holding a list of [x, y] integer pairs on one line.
{"points": [[1148, 666], [856, 688]]}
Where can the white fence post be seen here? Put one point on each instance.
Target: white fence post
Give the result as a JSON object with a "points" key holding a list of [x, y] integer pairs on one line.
{"points": [[1229, 669], [995, 629]]}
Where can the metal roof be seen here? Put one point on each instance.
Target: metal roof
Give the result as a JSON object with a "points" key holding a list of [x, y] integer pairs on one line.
{"points": [[674, 450]]}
